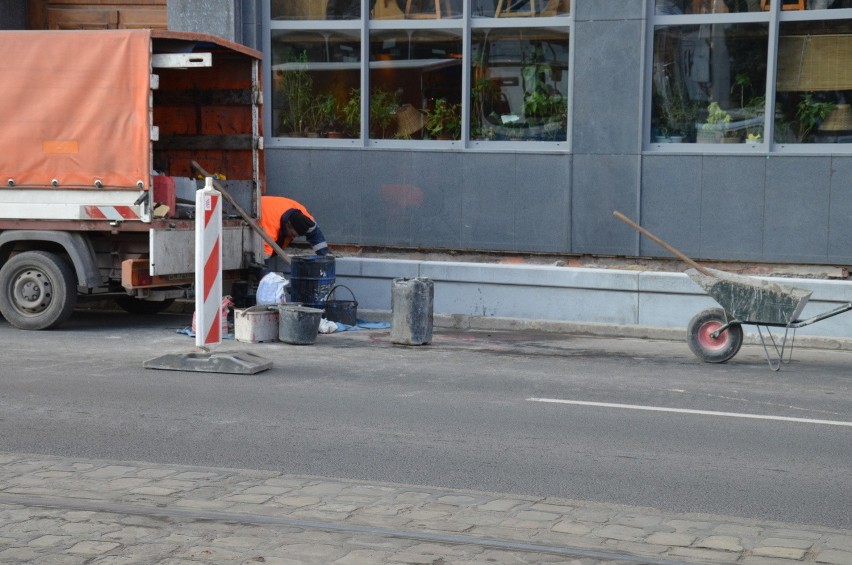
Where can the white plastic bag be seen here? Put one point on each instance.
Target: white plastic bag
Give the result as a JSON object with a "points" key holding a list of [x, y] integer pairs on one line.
{"points": [[272, 289]]}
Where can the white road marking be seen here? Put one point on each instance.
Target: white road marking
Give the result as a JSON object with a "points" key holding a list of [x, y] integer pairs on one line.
{"points": [[690, 411]]}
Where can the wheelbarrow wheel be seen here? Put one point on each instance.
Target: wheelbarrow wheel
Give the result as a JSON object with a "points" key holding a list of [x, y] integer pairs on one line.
{"points": [[713, 349]]}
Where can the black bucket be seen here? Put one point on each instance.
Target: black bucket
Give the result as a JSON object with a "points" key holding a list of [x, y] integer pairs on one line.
{"points": [[311, 279], [343, 311]]}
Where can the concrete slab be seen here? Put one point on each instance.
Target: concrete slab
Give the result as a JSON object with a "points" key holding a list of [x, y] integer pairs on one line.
{"points": [[235, 363]]}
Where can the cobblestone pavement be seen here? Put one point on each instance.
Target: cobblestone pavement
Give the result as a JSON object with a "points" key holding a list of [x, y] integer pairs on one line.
{"points": [[57, 510]]}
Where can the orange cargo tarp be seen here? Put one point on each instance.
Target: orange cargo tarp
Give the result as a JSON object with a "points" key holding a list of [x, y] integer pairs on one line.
{"points": [[74, 107]]}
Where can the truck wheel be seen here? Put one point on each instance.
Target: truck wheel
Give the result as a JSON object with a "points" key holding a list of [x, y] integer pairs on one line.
{"points": [[136, 306], [705, 346], [38, 290]]}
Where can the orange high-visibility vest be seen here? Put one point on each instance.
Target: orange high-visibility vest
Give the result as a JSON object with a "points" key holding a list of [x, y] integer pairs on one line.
{"points": [[271, 210]]}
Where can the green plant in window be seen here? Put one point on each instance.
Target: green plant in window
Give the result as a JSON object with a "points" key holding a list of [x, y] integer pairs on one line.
{"points": [[326, 109], [810, 113], [482, 98], [543, 104], [383, 105], [351, 113], [296, 87], [716, 117], [715, 127], [443, 120]]}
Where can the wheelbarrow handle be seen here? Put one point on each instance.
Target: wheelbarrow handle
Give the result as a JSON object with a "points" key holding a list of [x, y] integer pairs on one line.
{"points": [[661, 243]]}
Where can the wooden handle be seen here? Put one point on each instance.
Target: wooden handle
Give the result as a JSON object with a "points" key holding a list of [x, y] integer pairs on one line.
{"points": [[249, 220], [661, 243]]}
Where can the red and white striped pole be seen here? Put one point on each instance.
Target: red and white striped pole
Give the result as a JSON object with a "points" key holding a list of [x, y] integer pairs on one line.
{"points": [[208, 265]]}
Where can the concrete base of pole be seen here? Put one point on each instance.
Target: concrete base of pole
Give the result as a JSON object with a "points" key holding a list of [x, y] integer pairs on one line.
{"points": [[235, 363]]}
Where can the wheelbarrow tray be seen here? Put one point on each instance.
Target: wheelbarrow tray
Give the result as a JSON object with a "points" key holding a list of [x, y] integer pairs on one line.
{"points": [[750, 300]]}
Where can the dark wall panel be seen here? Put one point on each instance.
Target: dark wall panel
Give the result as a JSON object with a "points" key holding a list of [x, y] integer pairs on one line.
{"points": [[671, 203], [601, 184], [438, 199], [840, 212], [732, 214], [605, 121], [797, 214]]}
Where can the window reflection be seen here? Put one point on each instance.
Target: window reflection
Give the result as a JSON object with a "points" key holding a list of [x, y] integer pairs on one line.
{"points": [[520, 8], [316, 9], [416, 9], [814, 82], [519, 84], [674, 7], [709, 83], [415, 78], [314, 75]]}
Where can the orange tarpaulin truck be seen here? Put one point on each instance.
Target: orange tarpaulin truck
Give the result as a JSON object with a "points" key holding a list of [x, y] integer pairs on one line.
{"points": [[98, 133]]}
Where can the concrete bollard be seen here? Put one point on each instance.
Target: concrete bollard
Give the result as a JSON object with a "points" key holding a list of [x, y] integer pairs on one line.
{"points": [[411, 311]]}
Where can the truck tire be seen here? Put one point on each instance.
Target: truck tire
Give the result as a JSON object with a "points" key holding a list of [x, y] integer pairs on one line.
{"points": [[38, 290], [705, 346], [141, 307]]}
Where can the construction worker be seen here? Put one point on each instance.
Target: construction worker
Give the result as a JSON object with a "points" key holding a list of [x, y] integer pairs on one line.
{"points": [[284, 219]]}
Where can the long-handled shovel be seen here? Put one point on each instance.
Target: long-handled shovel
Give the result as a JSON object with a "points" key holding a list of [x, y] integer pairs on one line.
{"points": [[249, 220]]}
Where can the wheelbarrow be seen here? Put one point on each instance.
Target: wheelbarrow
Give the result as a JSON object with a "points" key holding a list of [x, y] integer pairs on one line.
{"points": [[715, 335]]}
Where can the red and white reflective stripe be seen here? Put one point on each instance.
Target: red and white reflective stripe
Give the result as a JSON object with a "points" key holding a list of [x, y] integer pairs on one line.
{"points": [[208, 266], [109, 213]]}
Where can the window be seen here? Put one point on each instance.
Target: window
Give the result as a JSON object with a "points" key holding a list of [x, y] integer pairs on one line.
{"points": [[470, 73], [814, 82], [712, 60]]}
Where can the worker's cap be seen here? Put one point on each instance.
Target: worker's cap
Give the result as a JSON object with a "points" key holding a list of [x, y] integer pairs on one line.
{"points": [[300, 222]]}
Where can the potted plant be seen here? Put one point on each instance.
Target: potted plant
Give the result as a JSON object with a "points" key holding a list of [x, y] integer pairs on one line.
{"points": [[443, 120], [482, 95], [296, 87], [350, 111], [329, 124], [715, 127], [810, 113], [677, 111], [383, 105]]}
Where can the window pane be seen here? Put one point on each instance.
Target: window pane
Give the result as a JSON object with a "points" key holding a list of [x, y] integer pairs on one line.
{"points": [[709, 83], [314, 77], [519, 84], [416, 9], [814, 82], [415, 84], [520, 8], [316, 9], [828, 4], [672, 7]]}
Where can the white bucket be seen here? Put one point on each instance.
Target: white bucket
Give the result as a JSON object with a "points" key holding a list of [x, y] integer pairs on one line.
{"points": [[256, 324]]}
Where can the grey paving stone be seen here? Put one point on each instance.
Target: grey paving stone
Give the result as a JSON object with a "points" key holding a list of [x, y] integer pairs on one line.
{"points": [[723, 543], [834, 557], [779, 552], [617, 532], [89, 547]]}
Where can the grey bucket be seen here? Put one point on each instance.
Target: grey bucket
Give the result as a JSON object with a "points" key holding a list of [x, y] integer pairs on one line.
{"points": [[298, 325]]}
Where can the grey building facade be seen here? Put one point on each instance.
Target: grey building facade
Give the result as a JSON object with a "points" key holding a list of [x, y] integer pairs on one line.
{"points": [[760, 200]]}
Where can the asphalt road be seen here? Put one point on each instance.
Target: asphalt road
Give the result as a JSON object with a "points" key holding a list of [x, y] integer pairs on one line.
{"points": [[540, 414]]}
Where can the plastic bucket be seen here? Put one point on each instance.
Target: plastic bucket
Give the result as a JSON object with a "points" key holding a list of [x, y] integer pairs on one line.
{"points": [[343, 311], [298, 325], [256, 324], [311, 279]]}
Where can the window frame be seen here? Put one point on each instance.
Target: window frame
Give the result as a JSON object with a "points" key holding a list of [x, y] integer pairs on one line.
{"points": [[465, 25], [774, 17]]}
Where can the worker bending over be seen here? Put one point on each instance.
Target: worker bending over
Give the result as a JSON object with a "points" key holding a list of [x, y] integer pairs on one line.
{"points": [[284, 219]]}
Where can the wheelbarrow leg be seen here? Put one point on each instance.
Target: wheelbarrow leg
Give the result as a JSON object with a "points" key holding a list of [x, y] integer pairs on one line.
{"points": [[778, 352]]}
